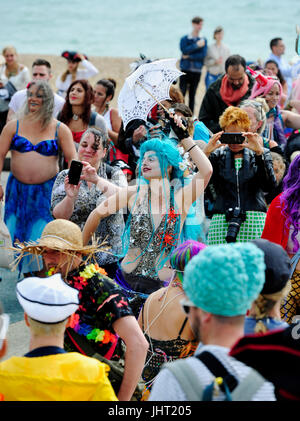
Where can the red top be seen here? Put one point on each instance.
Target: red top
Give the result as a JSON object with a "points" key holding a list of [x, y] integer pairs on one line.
{"points": [[275, 229], [77, 136]]}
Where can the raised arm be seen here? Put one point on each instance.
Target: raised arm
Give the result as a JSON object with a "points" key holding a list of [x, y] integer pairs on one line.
{"points": [[199, 181], [291, 119]]}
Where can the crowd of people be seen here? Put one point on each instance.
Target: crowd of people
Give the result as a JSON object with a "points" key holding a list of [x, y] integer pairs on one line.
{"points": [[143, 279]]}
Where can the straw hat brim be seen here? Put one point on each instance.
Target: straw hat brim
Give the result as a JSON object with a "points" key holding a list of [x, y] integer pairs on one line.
{"points": [[54, 243]]}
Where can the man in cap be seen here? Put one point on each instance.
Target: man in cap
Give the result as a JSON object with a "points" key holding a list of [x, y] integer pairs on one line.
{"points": [[104, 316], [220, 284], [49, 304]]}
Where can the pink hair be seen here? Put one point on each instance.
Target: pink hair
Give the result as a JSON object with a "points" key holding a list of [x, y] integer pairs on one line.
{"points": [[259, 90]]}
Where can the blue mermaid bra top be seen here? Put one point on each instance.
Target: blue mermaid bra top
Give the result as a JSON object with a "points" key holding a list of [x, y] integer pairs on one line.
{"points": [[45, 147]]}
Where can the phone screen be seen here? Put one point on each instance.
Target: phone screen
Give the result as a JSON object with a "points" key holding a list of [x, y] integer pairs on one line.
{"points": [[75, 172], [232, 138]]}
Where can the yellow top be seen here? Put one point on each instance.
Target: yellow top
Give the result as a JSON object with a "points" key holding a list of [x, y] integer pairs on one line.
{"points": [[60, 377]]}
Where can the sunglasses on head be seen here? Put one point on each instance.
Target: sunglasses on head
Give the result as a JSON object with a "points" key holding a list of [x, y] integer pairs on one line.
{"points": [[186, 305]]}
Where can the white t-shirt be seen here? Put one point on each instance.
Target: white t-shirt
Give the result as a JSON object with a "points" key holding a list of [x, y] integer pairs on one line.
{"points": [[19, 98]]}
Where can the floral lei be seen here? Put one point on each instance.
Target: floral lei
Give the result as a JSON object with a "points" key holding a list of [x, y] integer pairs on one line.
{"points": [[92, 334]]}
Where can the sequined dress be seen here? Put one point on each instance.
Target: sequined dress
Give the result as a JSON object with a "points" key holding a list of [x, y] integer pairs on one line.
{"points": [[154, 244]]}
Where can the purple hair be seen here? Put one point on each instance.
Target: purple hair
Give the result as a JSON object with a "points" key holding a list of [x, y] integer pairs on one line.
{"points": [[183, 254], [291, 198]]}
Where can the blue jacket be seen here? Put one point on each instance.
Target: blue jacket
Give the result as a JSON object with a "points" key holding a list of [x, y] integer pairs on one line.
{"points": [[188, 46]]}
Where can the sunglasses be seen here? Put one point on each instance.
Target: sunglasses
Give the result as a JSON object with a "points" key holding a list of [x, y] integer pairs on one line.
{"points": [[4, 323], [186, 305]]}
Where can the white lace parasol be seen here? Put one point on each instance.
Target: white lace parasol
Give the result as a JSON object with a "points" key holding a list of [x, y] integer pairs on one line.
{"points": [[145, 87]]}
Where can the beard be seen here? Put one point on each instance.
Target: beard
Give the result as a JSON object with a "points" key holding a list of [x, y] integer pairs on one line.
{"points": [[236, 87], [196, 327]]}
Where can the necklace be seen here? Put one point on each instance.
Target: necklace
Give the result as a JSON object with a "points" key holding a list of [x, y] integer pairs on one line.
{"points": [[177, 284], [76, 117]]}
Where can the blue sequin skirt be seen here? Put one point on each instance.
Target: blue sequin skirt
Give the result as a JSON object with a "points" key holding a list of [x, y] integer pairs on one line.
{"points": [[27, 211]]}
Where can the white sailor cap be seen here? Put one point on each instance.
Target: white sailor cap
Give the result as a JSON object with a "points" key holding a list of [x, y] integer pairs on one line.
{"points": [[47, 300]]}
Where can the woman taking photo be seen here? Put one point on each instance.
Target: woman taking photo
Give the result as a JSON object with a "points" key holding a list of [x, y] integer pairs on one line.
{"points": [[241, 175], [98, 181], [34, 141], [73, 72], [149, 238], [77, 111]]}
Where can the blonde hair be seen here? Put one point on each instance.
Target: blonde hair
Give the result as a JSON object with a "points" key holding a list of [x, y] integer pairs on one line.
{"points": [[264, 304], [47, 329], [276, 157], [67, 72], [9, 47], [234, 116]]}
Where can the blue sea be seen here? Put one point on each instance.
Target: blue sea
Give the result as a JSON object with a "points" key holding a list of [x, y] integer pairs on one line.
{"points": [[125, 28]]}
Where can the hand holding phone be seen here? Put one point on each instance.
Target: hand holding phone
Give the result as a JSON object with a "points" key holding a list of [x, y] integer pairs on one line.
{"points": [[75, 172]]}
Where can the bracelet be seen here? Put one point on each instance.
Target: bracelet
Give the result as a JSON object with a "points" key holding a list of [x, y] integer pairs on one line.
{"points": [[191, 147]]}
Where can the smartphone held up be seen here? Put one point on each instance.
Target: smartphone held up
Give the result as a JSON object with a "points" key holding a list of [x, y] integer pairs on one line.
{"points": [[232, 138], [75, 172]]}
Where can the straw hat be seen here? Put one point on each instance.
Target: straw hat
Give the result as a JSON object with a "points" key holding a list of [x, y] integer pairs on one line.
{"points": [[61, 235]]}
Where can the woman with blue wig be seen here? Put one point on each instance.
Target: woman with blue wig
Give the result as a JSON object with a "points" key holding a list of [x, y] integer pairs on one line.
{"points": [[158, 205]]}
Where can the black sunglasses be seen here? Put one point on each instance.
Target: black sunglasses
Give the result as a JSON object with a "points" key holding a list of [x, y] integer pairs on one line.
{"points": [[185, 305]]}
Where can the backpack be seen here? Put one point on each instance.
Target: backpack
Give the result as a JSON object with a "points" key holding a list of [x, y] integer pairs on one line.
{"points": [[196, 391]]}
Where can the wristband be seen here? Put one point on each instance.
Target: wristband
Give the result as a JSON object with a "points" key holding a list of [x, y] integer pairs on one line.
{"points": [[191, 147]]}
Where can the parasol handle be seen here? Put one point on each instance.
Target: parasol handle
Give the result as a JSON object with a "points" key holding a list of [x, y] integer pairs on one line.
{"points": [[155, 99]]}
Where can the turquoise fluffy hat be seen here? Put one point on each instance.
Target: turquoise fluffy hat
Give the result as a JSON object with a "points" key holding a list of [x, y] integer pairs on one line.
{"points": [[224, 280]]}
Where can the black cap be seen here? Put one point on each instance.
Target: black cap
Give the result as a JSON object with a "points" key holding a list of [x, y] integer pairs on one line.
{"points": [[277, 263], [72, 56]]}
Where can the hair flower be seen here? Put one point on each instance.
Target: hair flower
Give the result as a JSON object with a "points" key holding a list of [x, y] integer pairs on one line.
{"points": [[182, 166]]}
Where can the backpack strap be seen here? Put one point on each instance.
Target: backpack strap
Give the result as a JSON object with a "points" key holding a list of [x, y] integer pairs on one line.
{"points": [[195, 391], [93, 116], [248, 386], [187, 378], [218, 370]]}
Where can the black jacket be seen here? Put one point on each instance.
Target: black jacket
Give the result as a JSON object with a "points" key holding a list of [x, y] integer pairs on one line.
{"points": [[255, 177], [213, 106]]}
